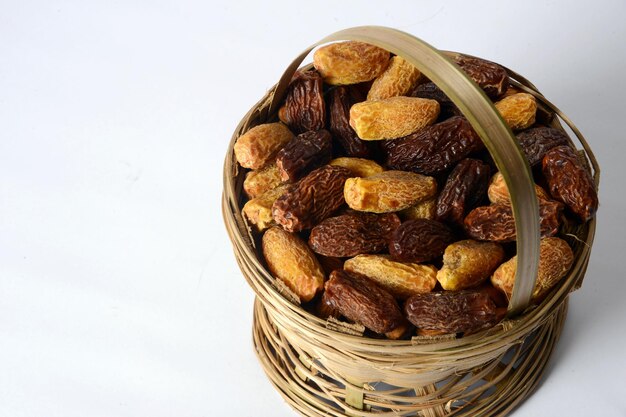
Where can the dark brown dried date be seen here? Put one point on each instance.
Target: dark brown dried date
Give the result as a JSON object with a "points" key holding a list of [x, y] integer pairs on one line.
{"points": [[420, 240], [465, 187], [311, 200], [340, 103], [361, 300], [569, 182], [451, 311], [537, 141], [353, 234], [495, 223], [304, 153], [434, 148], [431, 91], [304, 108], [489, 76]]}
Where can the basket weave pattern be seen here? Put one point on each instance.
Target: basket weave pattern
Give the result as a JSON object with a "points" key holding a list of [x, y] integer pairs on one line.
{"points": [[324, 370]]}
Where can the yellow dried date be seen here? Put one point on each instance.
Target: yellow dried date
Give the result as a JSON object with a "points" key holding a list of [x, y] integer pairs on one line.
{"points": [[358, 166], [262, 180], [398, 80], [350, 62], [498, 192], [401, 279], [289, 259], [468, 263], [258, 210], [426, 209], [518, 110], [388, 191], [555, 260], [255, 148], [393, 117]]}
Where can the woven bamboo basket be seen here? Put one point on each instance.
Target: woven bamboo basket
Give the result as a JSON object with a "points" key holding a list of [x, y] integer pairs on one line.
{"points": [[325, 368]]}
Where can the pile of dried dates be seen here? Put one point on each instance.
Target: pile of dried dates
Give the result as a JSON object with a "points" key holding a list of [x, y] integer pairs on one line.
{"points": [[376, 202]]}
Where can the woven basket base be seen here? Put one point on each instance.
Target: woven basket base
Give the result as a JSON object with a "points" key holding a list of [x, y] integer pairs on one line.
{"points": [[314, 391]]}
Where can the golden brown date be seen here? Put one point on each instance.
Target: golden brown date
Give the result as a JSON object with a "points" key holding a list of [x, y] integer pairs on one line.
{"points": [[401, 279], [392, 117], [289, 259], [498, 192], [313, 199], [433, 149], [353, 234], [555, 260], [303, 153], [397, 80], [360, 167], [388, 191], [468, 263], [423, 210], [350, 62], [569, 182], [260, 181], [258, 210], [518, 110], [451, 312], [259, 145], [361, 300]]}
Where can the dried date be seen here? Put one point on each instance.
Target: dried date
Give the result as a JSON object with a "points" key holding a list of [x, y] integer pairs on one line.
{"points": [[569, 182], [420, 240], [451, 312], [361, 300], [433, 149], [495, 222], [304, 153], [537, 141], [555, 260], [313, 199], [388, 191], [340, 103], [304, 108], [353, 234], [489, 76], [465, 187], [431, 91]]}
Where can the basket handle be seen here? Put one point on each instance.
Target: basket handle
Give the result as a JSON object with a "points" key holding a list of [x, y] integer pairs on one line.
{"points": [[486, 121]]}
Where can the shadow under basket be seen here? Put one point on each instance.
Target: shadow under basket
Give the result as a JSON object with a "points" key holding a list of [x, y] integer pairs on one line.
{"points": [[326, 368]]}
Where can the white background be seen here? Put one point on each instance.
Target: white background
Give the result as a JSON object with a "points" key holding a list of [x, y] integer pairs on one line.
{"points": [[119, 293]]}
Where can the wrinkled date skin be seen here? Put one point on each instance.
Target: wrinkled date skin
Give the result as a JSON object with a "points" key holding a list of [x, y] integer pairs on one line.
{"points": [[304, 108], [353, 234], [433, 149], [537, 141], [451, 312], [495, 223], [303, 153], [569, 182], [340, 102], [431, 91], [311, 200], [466, 186], [420, 240], [362, 301], [489, 76]]}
